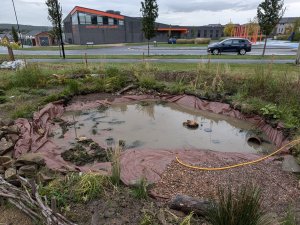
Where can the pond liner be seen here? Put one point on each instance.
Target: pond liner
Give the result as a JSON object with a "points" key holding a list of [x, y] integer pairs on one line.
{"points": [[135, 164]]}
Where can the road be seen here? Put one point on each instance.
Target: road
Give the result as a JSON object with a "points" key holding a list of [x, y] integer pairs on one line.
{"points": [[235, 61], [272, 49]]}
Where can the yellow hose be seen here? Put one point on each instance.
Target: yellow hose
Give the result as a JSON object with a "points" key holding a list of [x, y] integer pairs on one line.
{"points": [[290, 144]]}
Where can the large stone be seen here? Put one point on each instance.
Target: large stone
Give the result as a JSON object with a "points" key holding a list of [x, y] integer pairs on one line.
{"points": [[13, 137], [290, 164], [14, 129], [4, 159], [6, 122], [10, 174], [28, 171], [5, 146], [29, 159]]}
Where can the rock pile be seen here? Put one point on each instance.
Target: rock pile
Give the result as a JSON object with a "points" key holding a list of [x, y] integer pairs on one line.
{"points": [[17, 64]]}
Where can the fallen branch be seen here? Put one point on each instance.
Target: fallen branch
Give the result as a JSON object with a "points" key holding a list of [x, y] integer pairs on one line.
{"points": [[31, 204]]}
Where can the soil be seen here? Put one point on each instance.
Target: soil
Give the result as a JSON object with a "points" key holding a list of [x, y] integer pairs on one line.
{"points": [[9, 215], [279, 189]]}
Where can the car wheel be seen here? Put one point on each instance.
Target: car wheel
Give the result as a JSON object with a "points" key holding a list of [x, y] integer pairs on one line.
{"points": [[242, 51], [216, 52]]}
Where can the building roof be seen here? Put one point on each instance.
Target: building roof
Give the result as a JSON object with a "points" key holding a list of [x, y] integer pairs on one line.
{"points": [[96, 12], [288, 19]]}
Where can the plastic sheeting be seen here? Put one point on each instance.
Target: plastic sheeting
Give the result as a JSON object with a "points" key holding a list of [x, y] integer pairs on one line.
{"points": [[134, 163]]}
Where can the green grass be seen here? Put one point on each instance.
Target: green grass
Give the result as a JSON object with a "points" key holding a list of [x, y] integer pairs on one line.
{"points": [[67, 47], [279, 57], [242, 207], [140, 189]]}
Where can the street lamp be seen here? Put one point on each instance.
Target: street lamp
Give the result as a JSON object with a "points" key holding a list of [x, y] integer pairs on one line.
{"points": [[17, 22]]}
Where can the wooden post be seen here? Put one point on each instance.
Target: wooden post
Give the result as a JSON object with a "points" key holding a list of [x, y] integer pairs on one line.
{"points": [[298, 55]]}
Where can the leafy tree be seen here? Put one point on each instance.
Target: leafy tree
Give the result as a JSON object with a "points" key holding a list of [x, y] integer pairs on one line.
{"points": [[228, 29], [269, 12], [252, 26], [150, 13], [55, 17], [15, 34], [10, 46]]}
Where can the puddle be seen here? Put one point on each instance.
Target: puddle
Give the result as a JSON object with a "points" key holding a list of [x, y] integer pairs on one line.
{"points": [[159, 126]]}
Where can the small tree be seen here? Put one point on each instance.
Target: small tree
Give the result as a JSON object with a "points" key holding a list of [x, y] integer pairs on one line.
{"points": [[10, 46], [228, 29], [15, 34], [55, 17], [150, 13], [269, 13]]}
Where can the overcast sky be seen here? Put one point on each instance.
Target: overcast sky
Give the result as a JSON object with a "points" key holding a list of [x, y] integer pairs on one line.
{"points": [[188, 12]]}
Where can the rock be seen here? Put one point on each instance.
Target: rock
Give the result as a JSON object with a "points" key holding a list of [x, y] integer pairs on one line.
{"points": [[188, 204], [2, 170], [6, 122], [43, 178], [10, 174], [28, 170], [14, 129], [8, 164], [30, 158], [290, 164], [4, 159], [13, 137], [5, 146]]}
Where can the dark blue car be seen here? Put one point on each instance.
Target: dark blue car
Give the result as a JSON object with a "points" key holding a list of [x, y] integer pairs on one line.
{"points": [[172, 41], [239, 45]]}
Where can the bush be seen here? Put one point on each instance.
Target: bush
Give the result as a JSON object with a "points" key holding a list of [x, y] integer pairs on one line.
{"points": [[243, 207], [185, 41], [30, 76], [202, 41]]}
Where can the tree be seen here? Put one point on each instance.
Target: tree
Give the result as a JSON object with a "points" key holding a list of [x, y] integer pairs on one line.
{"points": [[228, 29], [269, 13], [15, 34], [150, 13], [252, 27], [298, 56], [55, 17], [10, 46]]}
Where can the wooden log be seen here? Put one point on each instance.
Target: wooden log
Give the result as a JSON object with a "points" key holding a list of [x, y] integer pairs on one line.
{"points": [[189, 204]]}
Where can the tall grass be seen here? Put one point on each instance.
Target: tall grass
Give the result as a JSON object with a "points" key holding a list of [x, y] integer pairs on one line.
{"points": [[240, 208], [140, 190], [116, 165], [31, 76]]}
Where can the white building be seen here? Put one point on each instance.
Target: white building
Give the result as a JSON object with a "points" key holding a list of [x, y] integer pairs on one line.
{"points": [[284, 24]]}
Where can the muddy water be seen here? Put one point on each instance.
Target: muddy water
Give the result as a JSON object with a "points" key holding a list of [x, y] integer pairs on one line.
{"points": [[160, 126]]}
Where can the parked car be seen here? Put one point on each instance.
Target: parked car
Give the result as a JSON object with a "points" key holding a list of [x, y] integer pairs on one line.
{"points": [[239, 45], [172, 41]]}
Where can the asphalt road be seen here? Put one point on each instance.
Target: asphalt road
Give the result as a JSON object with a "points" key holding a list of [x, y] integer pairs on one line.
{"points": [[139, 50], [235, 61]]}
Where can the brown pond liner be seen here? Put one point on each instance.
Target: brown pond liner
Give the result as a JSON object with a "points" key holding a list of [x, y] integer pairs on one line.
{"points": [[135, 163]]}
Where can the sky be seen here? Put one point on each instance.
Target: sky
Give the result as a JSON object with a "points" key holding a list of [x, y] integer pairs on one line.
{"points": [[175, 12]]}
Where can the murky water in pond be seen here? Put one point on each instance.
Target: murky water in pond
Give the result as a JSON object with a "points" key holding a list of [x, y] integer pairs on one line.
{"points": [[160, 126]]}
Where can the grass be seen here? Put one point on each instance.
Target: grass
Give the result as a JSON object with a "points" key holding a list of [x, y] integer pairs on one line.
{"points": [[75, 188], [242, 207], [116, 165], [140, 190], [67, 47], [268, 57], [289, 219]]}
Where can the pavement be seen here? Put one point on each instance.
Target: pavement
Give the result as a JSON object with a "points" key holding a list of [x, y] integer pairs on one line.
{"points": [[235, 61]]}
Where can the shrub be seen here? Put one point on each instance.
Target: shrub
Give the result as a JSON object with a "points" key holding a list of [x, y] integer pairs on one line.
{"points": [[73, 87], [185, 41], [31, 76], [243, 207], [202, 41]]}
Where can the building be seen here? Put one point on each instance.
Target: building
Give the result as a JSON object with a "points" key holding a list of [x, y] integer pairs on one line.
{"points": [[285, 24], [38, 38], [83, 25]]}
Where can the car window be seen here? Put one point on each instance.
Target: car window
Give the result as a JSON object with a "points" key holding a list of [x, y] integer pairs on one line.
{"points": [[236, 42], [242, 41], [228, 42]]}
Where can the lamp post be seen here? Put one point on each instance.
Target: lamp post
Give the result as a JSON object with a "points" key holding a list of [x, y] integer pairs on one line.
{"points": [[17, 22]]}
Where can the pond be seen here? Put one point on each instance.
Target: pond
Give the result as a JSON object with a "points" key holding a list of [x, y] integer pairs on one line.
{"points": [[153, 125]]}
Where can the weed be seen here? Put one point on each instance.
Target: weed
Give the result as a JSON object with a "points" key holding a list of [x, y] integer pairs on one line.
{"points": [[3, 99], [187, 219], [177, 87], [289, 219], [23, 111], [146, 219], [243, 207], [271, 111], [112, 71], [73, 87], [31, 76], [140, 191], [116, 165]]}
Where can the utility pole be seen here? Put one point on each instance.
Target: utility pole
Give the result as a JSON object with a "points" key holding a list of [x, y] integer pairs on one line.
{"points": [[60, 30], [17, 22]]}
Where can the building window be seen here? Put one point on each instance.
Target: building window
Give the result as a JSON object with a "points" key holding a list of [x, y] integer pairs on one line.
{"points": [[110, 21], [105, 20], [100, 20], [217, 33], [94, 20], [115, 22], [205, 33], [121, 22], [88, 19], [75, 19], [81, 18]]}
